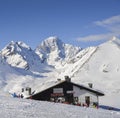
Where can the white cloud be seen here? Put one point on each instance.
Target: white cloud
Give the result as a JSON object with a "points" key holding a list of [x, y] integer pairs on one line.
{"points": [[112, 24], [96, 37], [109, 21]]}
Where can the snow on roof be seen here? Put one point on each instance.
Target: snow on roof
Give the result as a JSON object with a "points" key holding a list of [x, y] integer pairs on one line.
{"points": [[44, 86], [49, 84], [90, 89]]}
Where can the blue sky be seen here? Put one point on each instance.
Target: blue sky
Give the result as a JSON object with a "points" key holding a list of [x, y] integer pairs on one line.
{"points": [[79, 22]]}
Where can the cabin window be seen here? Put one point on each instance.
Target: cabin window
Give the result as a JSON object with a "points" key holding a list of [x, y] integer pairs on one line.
{"points": [[57, 90]]}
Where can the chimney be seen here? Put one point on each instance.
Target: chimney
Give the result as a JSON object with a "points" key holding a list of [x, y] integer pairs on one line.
{"points": [[67, 79], [28, 90], [22, 89], [90, 85]]}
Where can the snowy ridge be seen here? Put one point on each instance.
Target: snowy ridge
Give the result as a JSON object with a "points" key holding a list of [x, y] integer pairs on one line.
{"points": [[84, 59]]}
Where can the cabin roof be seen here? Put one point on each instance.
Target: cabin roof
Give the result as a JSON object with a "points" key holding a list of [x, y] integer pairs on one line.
{"points": [[98, 92], [51, 84]]}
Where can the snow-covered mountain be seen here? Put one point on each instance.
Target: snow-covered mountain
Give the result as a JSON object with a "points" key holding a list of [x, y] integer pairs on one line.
{"points": [[21, 66], [55, 52], [100, 65], [20, 55]]}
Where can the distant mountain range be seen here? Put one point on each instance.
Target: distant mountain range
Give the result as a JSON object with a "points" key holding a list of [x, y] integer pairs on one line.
{"points": [[20, 66]]}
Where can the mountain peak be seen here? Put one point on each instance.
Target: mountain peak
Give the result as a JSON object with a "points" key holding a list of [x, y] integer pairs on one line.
{"points": [[52, 38], [50, 44], [53, 50], [115, 40], [22, 44], [15, 47], [19, 44]]}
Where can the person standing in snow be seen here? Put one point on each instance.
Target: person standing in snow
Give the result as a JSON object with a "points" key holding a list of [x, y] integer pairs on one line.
{"points": [[14, 95], [21, 96]]}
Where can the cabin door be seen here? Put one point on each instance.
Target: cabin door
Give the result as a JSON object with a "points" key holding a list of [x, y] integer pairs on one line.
{"points": [[70, 98], [87, 100]]}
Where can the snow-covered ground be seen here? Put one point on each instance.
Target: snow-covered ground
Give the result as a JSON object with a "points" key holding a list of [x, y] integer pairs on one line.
{"points": [[21, 108]]}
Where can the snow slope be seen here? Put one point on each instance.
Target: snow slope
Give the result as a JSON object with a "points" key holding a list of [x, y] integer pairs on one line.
{"points": [[19, 108], [12, 79], [14, 76], [99, 65]]}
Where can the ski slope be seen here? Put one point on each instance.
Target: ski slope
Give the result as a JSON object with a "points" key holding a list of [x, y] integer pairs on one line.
{"points": [[21, 108]]}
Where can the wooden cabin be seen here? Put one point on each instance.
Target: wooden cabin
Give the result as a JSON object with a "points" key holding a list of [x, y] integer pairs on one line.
{"points": [[69, 92]]}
